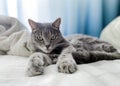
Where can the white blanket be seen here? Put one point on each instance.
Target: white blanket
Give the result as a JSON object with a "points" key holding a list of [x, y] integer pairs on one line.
{"points": [[14, 37], [102, 73], [12, 68]]}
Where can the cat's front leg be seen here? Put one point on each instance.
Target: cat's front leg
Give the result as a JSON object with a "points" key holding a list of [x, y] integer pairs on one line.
{"points": [[66, 63], [37, 63]]}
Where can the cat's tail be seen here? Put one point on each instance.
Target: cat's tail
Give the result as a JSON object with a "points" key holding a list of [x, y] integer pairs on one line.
{"points": [[98, 55]]}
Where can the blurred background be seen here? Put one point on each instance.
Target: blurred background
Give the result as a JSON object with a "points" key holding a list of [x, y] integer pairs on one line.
{"points": [[78, 16]]}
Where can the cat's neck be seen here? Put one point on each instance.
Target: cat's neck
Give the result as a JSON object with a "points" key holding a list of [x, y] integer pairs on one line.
{"points": [[60, 46]]}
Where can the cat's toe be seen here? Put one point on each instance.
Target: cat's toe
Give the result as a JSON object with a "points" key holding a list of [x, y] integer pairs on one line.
{"points": [[109, 48], [67, 67], [35, 70], [35, 66]]}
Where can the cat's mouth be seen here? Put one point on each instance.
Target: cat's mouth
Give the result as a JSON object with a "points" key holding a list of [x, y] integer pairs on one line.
{"points": [[56, 48], [47, 51]]}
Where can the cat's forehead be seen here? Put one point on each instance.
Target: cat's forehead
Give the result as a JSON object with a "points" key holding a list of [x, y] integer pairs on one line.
{"points": [[45, 29], [44, 25]]}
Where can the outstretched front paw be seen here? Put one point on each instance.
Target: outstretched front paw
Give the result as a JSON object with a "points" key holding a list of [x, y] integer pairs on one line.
{"points": [[109, 48], [36, 65], [68, 66]]}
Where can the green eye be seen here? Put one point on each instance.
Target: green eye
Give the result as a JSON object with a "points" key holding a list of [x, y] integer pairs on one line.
{"points": [[40, 38], [53, 38]]}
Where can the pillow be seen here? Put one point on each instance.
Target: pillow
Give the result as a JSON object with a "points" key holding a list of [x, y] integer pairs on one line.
{"points": [[111, 33]]}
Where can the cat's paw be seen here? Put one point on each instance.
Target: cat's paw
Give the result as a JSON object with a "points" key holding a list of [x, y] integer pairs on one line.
{"points": [[36, 65], [34, 71], [68, 66], [109, 48]]}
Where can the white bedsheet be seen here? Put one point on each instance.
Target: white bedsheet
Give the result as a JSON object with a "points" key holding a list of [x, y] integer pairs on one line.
{"points": [[102, 73], [12, 68]]}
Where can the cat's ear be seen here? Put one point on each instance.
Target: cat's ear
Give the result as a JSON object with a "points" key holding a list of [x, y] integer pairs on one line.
{"points": [[33, 24], [56, 23]]}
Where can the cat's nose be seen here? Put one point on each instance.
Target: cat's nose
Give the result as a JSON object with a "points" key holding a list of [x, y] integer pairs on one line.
{"points": [[47, 46]]}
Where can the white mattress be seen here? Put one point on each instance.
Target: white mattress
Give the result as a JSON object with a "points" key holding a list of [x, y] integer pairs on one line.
{"points": [[102, 73]]}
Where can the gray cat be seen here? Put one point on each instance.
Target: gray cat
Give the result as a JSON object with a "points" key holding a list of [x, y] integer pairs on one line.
{"points": [[51, 47]]}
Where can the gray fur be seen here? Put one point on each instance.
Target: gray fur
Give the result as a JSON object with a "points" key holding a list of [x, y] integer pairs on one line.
{"points": [[52, 47]]}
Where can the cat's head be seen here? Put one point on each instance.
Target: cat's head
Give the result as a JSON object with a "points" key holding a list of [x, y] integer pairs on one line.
{"points": [[45, 36]]}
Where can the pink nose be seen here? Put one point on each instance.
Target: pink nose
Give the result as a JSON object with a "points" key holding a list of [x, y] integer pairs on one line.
{"points": [[47, 46]]}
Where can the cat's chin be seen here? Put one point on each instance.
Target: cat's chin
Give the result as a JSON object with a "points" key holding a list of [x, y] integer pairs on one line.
{"points": [[47, 51], [44, 50]]}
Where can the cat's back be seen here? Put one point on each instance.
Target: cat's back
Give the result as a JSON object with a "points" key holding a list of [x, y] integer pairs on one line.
{"points": [[74, 39], [86, 42]]}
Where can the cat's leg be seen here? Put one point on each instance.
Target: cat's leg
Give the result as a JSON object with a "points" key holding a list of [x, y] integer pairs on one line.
{"points": [[104, 47], [81, 56], [66, 63], [108, 48], [37, 63]]}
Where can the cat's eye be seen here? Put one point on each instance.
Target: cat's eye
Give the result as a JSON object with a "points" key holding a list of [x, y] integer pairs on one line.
{"points": [[40, 38], [53, 37]]}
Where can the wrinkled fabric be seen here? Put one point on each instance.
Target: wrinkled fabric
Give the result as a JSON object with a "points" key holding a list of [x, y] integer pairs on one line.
{"points": [[14, 37], [102, 73]]}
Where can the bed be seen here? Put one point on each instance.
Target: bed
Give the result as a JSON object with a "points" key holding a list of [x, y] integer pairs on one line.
{"points": [[102, 73]]}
